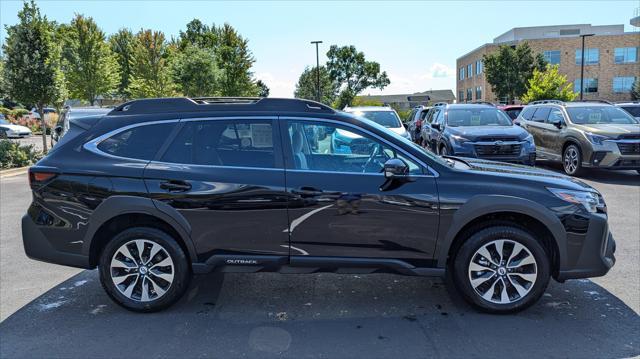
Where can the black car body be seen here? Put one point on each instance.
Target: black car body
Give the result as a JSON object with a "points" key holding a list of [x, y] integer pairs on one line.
{"points": [[200, 185], [480, 131]]}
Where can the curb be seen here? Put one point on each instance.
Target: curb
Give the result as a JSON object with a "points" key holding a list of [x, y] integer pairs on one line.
{"points": [[13, 172]]}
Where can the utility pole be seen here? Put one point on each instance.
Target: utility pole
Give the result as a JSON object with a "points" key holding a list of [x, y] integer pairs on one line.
{"points": [[582, 65], [317, 71]]}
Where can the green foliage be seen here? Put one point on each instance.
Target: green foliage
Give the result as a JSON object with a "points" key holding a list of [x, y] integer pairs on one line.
{"points": [[13, 114], [365, 101], [196, 73], [90, 67], [306, 86], [547, 85], [508, 70], [3, 91], [235, 61], [353, 73], [199, 35], [151, 75], [635, 90], [14, 155], [32, 71], [263, 89], [122, 45]]}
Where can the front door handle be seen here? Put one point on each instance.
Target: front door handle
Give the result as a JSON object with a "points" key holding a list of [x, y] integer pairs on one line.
{"points": [[175, 186], [307, 191]]}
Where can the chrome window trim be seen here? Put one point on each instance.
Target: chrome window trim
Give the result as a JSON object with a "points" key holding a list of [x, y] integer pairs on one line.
{"points": [[434, 173], [152, 162]]}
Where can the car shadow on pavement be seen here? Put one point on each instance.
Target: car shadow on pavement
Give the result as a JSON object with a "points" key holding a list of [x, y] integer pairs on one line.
{"points": [[627, 178], [321, 315]]}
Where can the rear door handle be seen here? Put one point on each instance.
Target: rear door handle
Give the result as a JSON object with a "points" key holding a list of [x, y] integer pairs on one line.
{"points": [[307, 191], [175, 186]]}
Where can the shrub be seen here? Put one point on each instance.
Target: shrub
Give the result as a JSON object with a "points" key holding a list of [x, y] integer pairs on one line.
{"points": [[14, 155]]}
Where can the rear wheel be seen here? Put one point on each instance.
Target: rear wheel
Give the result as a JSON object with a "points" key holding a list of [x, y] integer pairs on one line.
{"points": [[572, 160], [501, 269], [144, 269]]}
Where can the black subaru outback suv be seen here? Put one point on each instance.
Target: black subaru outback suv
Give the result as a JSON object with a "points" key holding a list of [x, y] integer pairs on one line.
{"points": [[159, 189]]}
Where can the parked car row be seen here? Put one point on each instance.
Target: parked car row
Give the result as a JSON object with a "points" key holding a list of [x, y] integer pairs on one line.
{"points": [[579, 134], [9, 130]]}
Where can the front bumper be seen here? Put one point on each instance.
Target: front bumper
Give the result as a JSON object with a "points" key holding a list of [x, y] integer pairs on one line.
{"points": [[588, 254], [38, 247], [615, 155]]}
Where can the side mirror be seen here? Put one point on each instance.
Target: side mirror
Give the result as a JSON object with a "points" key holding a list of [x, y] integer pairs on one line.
{"points": [[557, 122], [57, 130], [396, 173], [436, 126]]}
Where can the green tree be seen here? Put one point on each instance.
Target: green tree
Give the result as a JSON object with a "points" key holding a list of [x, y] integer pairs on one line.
{"points": [[151, 75], [196, 73], [508, 70], [90, 67], [306, 86], [635, 90], [122, 44], [353, 72], [32, 71], [199, 35], [263, 89], [235, 61], [3, 90], [547, 85]]}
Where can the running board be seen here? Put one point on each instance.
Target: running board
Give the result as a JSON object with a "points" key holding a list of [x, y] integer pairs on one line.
{"points": [[310, 264]]}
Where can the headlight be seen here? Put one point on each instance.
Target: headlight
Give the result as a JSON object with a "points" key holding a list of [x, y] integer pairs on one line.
{"points": [[591, 201], [596, 139], [458, 139], [529, 139]]}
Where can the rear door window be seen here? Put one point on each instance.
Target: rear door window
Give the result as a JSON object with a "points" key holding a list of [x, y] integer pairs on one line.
{"points": [[141, 142], [237, 143]]}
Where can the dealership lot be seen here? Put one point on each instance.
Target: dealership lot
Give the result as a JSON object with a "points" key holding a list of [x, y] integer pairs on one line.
{"points": [[55, 311]]}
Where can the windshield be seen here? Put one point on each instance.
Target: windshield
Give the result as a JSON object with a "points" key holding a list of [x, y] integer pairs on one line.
{"points": [[595, 115], [3, 122], [477, 117], [513, 112], [387, 119], [633, 110]]}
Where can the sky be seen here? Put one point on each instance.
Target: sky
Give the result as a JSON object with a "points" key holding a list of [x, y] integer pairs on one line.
{"points": [[416, 43]]}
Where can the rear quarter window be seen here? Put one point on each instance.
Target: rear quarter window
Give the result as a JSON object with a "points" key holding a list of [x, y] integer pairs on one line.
{"points": [[141, 142], [527, 113]]}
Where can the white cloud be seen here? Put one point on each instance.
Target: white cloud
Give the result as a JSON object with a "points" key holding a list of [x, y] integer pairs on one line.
{"points": [[438, 70], [277, 87]]}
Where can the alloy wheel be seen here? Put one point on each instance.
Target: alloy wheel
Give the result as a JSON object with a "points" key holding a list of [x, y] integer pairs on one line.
{"points": [[142, 270], [571, 160], [503, 271]]}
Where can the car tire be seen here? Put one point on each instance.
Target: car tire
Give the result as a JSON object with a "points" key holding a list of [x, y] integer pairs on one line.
{"points": [[144, 283], [498, 285], [572, 160], [443, 150]]}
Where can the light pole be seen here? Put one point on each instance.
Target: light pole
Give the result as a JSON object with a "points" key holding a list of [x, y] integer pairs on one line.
{"points": [[582, 65], [317, 70]]}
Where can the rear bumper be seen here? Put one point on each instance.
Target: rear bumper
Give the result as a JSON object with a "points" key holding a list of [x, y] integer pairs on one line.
{"points": [[590, 255], [38, 247]]}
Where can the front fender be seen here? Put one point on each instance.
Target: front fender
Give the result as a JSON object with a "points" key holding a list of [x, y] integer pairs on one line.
{"points": [[482, 205]]}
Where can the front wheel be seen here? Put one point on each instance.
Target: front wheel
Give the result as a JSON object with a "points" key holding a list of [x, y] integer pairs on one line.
{"points": [[572, 160], [501, 269], [144, 269], [443, 151]]}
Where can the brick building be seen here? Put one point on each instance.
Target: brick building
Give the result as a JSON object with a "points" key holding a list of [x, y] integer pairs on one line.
{"points": [[612, 61]]}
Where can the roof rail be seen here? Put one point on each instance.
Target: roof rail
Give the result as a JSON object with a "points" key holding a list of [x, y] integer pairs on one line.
{"points": [[201, 104], [539, 102], [483, 103], [599, 101]]}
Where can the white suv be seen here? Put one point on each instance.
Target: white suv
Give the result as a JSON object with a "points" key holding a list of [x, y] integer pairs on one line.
{"points": [[382, 115]]}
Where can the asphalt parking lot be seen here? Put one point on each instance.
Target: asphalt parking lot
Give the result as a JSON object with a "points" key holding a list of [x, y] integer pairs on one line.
{"points": [[53, 311]]}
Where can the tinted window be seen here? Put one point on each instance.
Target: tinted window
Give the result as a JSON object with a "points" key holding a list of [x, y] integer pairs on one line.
{"points": [[527, 113], [633, 110], [384, 118], [223, 143], [477, 117], [541, 114], [513, 113], [599, 115], [332, 148], [141, 142], [555, 115]]}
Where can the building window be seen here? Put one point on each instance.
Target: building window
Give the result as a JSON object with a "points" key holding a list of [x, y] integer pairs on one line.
{"points": [[592, 56], [625, 55], [623, 84], [461, 74], [478, 67], [469, 71], [552, 57], [469, 94], [460, 96], [590, 85], [479, 93]]}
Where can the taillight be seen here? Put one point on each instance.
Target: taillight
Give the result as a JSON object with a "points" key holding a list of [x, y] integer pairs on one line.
{"points": [[39, 178]]}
